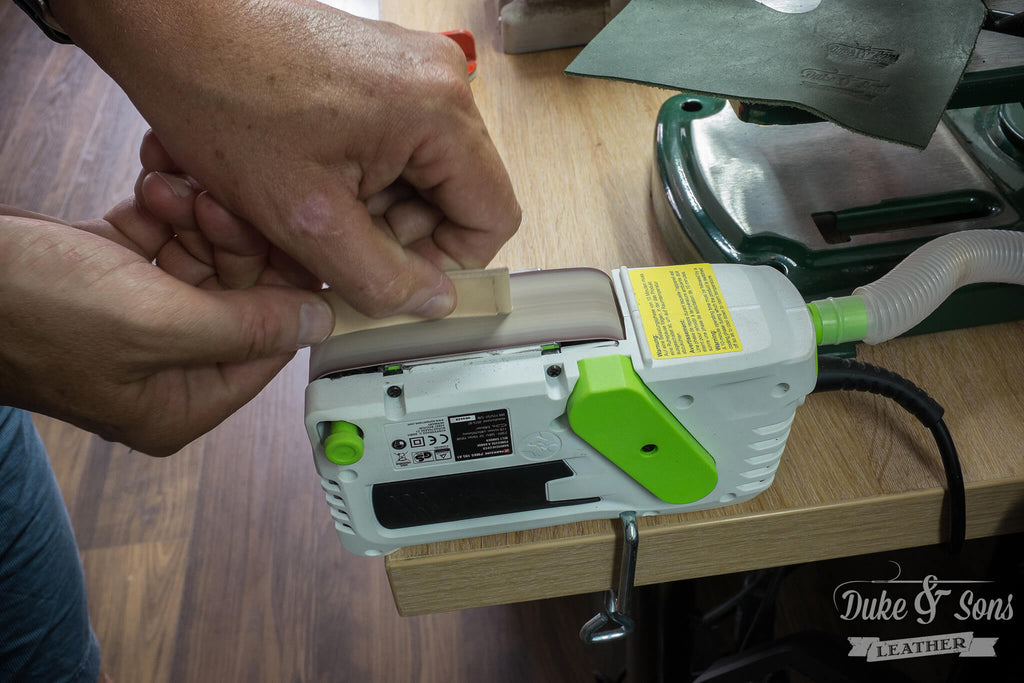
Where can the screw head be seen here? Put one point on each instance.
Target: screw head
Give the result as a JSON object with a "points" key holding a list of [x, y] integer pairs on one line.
{"points": [[554, 370], [394, 391]]}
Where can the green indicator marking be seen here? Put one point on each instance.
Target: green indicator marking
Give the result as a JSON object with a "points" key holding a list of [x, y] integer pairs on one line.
{"points": [[343, 446], [613, 410]]}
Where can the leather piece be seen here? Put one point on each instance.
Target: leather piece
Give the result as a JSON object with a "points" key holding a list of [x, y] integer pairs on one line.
{"points": [[877, 67], [478, 293]]}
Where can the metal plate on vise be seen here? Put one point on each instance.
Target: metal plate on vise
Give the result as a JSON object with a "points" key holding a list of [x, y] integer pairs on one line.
{"points": [[831, 209]]}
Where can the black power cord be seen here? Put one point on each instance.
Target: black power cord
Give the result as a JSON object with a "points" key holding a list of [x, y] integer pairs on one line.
{"points": [[849, 375]]}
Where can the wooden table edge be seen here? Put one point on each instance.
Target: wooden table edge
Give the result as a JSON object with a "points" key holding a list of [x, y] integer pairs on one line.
{"points": [[439, 582]]}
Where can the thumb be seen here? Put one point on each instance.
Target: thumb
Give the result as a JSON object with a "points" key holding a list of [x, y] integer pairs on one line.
{"points": [[234, 326]]}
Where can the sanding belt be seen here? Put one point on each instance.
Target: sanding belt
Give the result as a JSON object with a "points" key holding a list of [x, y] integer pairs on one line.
{"points": [[494, 311], [878, 67]]}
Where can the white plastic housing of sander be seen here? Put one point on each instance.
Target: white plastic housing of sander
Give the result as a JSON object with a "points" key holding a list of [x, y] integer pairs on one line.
{"points": [[684, 403]]}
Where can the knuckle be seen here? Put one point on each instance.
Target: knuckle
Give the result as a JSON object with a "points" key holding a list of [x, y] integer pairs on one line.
{"points": [[444, 74], [456, 92]]}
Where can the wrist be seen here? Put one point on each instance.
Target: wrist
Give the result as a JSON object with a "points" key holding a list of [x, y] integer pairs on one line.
{"points": [[165, 53], [162, 54], [154, 43]]}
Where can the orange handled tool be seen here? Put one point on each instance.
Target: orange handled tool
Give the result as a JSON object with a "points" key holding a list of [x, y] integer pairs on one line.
{"points": [[466, 41]]}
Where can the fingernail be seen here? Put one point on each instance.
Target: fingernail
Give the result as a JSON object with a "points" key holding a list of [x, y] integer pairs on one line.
{"points": [[437, 306], [316, 322], [179, 186]]}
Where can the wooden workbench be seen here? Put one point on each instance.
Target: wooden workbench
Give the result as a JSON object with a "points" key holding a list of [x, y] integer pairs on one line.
{"points": [[858, 475]]}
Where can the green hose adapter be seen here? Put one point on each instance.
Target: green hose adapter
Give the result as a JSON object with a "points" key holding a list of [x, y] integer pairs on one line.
{"points": [[839, 319]]}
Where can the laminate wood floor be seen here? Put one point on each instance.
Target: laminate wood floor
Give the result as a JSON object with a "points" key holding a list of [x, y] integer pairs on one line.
{"points": [[220, 563]]}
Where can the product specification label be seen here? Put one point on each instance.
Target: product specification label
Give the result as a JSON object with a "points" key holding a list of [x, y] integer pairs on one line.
{"points": [[683, 311], [448, 439]]}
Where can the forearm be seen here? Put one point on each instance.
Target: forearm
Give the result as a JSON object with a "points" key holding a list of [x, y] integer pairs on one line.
{"points": [[165, 53], [125, 37], [152, 36], [213, 79]]}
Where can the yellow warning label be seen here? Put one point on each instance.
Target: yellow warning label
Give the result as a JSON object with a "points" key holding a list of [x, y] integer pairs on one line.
{"points": [[683, 311]]}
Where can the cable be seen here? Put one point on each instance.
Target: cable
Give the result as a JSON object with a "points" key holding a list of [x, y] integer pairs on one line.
{"points": [[751, 583], [850, 375]]}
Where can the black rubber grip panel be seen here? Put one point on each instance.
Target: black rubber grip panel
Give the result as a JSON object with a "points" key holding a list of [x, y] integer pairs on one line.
{"points": [[454, 497]]}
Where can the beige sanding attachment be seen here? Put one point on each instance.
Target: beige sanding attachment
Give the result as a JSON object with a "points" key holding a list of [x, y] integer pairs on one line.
{"points": [[478, 293], [570, 305]]}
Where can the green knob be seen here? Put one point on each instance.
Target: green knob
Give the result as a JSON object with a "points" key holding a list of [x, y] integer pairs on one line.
{"points": [[344, 445]]}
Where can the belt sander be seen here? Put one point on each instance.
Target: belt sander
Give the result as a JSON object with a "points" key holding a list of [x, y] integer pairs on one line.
{"points": [[655, 390]]}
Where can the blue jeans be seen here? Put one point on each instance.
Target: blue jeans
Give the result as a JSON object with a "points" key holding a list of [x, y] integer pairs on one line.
{"points": [[45, 633]]}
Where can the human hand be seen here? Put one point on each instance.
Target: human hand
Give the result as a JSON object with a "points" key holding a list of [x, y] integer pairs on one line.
{"points": [[100, 337], [354, 146], [212, 247]]}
